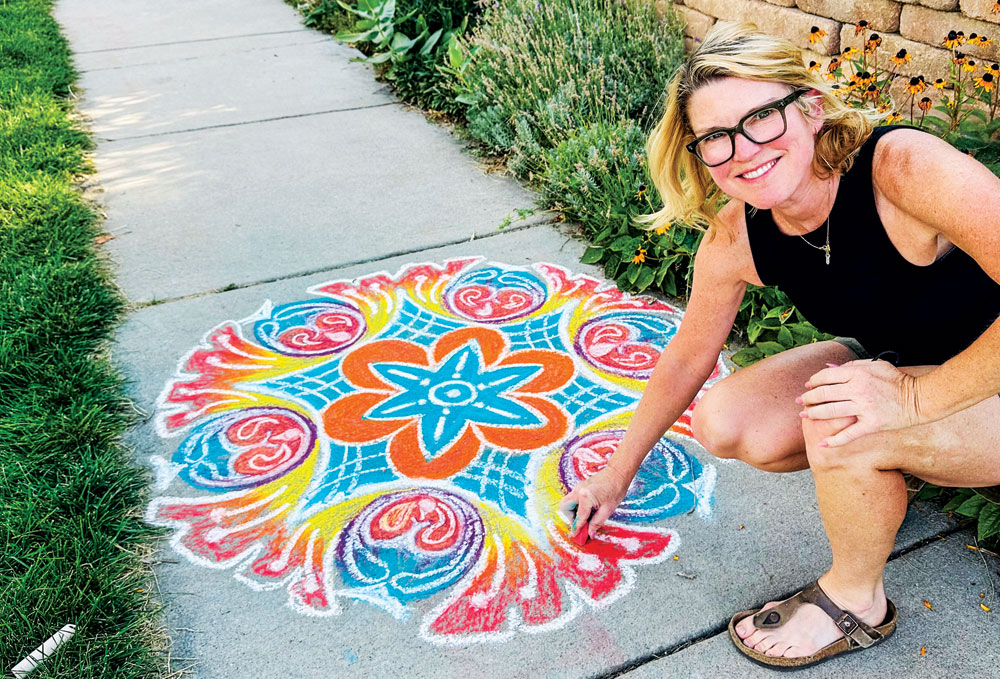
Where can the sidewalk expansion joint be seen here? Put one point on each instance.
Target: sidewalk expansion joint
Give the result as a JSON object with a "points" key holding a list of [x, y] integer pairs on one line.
{"points": [[247, 122], [186, 42], [299, 274], [161, 62], [625, 668]]}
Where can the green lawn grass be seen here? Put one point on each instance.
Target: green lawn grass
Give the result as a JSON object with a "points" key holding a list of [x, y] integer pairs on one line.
{"points": [[72, 544]]}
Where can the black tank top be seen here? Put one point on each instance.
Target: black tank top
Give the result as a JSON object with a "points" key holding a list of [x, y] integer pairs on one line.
{"points": [[926, 314]]}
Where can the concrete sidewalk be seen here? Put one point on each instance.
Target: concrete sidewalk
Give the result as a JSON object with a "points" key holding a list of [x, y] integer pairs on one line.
{"points": [[246, 163]]}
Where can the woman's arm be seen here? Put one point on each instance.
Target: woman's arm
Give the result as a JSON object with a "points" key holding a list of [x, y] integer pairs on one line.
{"points": [[949, 194], [680, 372], [959, 198]]}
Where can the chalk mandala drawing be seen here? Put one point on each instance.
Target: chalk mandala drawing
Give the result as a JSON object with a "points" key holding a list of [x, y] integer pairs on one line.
{"points": [[404, 441]]}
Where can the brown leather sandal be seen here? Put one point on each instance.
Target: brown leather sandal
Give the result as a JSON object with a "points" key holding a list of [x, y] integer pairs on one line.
{"points": [[857, 634]]}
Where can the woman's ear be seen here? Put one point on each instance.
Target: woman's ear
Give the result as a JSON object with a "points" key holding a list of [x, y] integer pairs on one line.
{"points": [[816, 110]]}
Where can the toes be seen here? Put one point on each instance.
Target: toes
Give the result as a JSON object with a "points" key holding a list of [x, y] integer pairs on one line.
{"points": [[777, 650], [745, 627]]}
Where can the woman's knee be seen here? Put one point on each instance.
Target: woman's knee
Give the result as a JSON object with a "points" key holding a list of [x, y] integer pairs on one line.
{"points": [[719, 425]]}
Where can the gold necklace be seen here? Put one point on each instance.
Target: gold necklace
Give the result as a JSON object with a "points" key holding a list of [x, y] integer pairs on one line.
{"points": [[825, 248]]}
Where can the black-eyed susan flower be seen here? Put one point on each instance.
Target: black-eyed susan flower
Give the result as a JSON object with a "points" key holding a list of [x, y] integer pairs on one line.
{"points": [[979, 40], [833, 65], [993, 68], [939, 84], [959, 58], [996, 8], [849, 52], [871, 92], [816, 34], [641, 193], [640, 256], [813, 66], [874, 40], [884, 107], [860, 26], [952, 40], [986, 82], [917, 85], [839, 91], [970, 66], [661, 230], [865, 78], [901, 58], [893, 118], [925, 104]]}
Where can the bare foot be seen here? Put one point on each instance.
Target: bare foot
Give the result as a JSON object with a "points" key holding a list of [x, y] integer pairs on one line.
{"points": [[809, 628]]}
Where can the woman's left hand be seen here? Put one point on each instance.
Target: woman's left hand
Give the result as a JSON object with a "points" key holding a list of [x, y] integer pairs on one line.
{"points": [[878, 394]]}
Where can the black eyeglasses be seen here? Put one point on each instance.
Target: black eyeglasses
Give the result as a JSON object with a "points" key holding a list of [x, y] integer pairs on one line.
{"points": [[760, 126]]}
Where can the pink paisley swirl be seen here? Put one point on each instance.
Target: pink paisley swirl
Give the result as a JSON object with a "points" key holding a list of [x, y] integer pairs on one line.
{"points": [[271, 441], [331, 331], [627, 346], [438, 524]]}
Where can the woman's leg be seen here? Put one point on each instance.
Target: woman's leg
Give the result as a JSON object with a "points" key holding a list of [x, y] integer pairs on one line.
{"points": [[767, 435], [862, 500]]}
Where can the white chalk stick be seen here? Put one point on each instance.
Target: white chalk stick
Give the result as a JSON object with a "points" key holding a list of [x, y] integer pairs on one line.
{"points": [[48, 647]]}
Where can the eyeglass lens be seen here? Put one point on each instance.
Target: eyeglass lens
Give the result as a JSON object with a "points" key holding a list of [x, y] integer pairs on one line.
{"points": [[761, 127]]}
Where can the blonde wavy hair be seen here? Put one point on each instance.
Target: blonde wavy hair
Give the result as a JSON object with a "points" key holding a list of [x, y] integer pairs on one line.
{"points": [[739, 50]]}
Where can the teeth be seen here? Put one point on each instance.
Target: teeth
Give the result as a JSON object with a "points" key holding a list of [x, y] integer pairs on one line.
{"points": [[760, 170]]}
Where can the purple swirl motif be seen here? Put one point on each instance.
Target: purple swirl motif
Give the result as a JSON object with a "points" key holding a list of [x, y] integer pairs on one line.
{"points": [[245, 448], [409, 545], [311, 328], [495, 295], [626, 344]]}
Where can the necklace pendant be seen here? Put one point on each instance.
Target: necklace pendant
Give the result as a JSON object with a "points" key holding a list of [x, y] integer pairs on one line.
{"points": [[827, 251]]}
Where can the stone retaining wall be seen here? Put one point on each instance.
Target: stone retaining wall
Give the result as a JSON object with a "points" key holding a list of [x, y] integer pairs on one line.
{"points": [[919, 26]]}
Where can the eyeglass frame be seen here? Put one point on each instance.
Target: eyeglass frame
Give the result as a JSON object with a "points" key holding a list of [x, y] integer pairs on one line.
{"points": [[780, 105]]}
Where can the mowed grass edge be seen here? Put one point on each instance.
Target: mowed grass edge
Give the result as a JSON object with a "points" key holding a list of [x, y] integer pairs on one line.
{"points": [[73, 548]]}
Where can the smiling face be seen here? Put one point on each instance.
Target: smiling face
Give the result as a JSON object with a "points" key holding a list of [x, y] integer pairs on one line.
{"points": [[763, 175]]}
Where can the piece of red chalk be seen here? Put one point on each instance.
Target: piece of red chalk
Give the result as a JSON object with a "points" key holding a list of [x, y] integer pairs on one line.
{"points": [[582, 535]]}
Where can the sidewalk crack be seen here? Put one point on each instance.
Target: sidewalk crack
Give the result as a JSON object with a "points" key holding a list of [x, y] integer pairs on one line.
{"points": [[247, 122], [627, 667], [136, 306], [185, 42]]}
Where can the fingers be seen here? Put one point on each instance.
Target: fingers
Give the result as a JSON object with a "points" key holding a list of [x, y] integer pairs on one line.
{"points": [[830, 411], [586, 503], [833, 374], [603, 514], [845, 436]]}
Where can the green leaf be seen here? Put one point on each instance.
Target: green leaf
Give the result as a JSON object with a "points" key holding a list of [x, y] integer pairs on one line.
{"points": [[972, 506], [669, 285], [431, 41], [989, 521], [956, 502], [785, 337], [633, 272], [753, 330], [592, 255], [645, 278], [770, 348], [745, 357]]}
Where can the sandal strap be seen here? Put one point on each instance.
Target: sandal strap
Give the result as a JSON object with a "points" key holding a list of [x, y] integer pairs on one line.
{"points": [[857, 631]]}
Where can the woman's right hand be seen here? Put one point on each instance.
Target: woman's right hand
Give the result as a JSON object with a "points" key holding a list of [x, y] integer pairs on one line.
{"points": [[600, 493]]}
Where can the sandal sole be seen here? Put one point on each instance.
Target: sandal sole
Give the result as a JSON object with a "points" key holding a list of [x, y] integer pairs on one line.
{"points": [[829, 651]]}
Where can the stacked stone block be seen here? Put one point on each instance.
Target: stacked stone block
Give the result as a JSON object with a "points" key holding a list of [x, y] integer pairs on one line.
{"points": [[918, 26]]}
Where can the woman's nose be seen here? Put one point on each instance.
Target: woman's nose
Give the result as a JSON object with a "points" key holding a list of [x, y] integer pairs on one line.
{"points": [[745, 148]]}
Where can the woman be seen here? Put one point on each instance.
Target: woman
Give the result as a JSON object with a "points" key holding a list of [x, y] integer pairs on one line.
{"points": [[862, 228]]}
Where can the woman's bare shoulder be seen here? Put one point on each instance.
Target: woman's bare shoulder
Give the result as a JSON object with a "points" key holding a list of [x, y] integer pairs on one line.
{"points": [[729, 250]]}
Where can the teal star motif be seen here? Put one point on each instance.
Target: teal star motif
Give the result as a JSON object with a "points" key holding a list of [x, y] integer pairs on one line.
{"points": [[458, 391]]}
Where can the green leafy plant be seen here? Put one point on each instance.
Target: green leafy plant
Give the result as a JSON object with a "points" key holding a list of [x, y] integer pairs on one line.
{"points": [[979, 504], [545, 70]]}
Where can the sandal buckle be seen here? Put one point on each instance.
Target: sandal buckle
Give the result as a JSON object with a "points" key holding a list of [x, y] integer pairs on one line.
{"points": [[847, 624]]}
